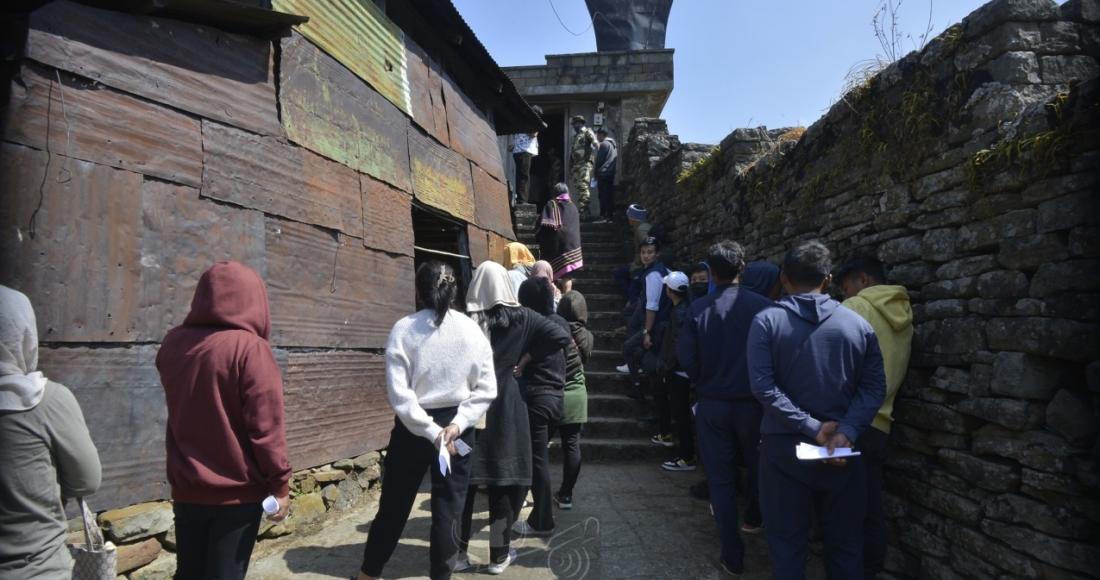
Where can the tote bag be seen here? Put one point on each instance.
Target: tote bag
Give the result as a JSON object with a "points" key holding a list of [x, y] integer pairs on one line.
{"points": [[94, 559]]}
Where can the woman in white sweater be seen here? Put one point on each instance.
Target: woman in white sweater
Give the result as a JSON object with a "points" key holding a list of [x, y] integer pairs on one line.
{"points": [[440, 380]]}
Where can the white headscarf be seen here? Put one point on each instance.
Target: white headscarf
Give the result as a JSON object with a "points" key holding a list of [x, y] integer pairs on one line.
{"points": [[490, 286], [21, 385]]}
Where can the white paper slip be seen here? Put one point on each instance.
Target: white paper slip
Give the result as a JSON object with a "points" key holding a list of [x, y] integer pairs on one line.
{"points": [[807, 452], [444, 459], [462, 448]]}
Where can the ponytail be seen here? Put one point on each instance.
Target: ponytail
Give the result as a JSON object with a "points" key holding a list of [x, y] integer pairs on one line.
{"points": [[436, 288]]}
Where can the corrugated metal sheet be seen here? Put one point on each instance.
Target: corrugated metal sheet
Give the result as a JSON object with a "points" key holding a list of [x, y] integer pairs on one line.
{"points": [[426, 93], [491, 203], [275, 177], [479, 244], [387, 217], [441, 177], [329, 110], [101, 125], [82, 268], [497, 247], [122, 400], [183, 236], [203, 70], [341, 395], [358, 34], [332, 294], [471, 133]]}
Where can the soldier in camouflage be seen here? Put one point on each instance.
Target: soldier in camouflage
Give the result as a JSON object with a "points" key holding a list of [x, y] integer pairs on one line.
{"points": [[582, 158]]}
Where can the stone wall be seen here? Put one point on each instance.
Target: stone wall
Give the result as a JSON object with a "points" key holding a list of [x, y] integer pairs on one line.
{"points": [[596, 73], [971, 169]]}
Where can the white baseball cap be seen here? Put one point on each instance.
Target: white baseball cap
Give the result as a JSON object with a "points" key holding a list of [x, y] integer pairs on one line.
{"points": [[678, 281]]}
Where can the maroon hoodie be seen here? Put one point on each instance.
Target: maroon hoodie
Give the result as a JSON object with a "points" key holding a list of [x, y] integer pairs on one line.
{"points": [[225, 441]]}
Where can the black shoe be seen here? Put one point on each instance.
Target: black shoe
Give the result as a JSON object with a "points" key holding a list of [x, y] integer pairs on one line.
{"points": [[700, 490], [564, 502]]}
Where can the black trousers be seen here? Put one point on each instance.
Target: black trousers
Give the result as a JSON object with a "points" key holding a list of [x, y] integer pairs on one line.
{"points": [[544, 412], [606, 186], [674, 411], [407, 458], [505, 503], [571, 456], [872, 446], [523, 176], [214, 542]]}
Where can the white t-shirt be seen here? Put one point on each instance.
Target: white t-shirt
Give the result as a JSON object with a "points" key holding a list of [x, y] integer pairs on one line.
{"points": [[654, 285]]}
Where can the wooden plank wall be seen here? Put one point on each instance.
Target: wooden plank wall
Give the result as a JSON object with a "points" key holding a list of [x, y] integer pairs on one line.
{"points": [[132, 161]]}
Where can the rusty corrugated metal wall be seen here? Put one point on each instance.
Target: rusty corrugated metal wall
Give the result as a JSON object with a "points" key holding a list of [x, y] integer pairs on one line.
{"points": [[139, 157]]}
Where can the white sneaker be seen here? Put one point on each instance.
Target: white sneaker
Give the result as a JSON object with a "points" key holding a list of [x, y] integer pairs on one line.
{"points": [[497, 569], [623, 368], [524, 529], [463, 563]]}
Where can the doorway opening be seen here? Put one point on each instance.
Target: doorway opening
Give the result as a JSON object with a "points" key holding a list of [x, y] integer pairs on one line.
{"points": [[549, 167], [439, 237]]}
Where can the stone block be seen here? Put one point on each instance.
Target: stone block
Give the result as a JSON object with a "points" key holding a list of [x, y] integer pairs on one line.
{"points": [[367, 459], [137, 522], [168, 540], [1010, 413], [1072, 415], [1076, 556], [966, 267], [900, 250], [307, 484], [329, 475], [947, 308], [344, 465], [1068, 276], [953, 380], [350, 492], [948, 440], [133, 556], [931, 416], [1066, 68], [986, 474], [307, 508], [939, 501], [1030, 252], [943, 289], [949, 336], [331, 494], [270, 530], [1003, 284], [1035, 449], [163, 568], [1062, 213], [1056, 520], [1021, 375], [1010, 36], [993, 551], [988, 233], [1085, 242], [1015, 67], [911, 274], [951, 216], [997, 12], [1053, 187], [1051, 337], [938, 245], [1005, 307], [937, 182], [1081, 11], [1042, 484], [921, 539]]}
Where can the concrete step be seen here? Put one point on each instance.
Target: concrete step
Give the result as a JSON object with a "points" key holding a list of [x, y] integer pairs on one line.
{"points": [[599, 450]]}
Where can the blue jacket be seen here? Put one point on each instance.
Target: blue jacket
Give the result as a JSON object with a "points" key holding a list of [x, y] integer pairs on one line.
{"points": [[711, 345], [811, 361]]}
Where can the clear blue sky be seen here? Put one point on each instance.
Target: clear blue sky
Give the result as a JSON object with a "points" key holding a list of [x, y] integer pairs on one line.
{"points": [[738, 63]]}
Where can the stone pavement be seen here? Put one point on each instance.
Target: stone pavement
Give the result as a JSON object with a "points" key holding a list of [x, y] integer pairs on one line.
{"points": [[629, 521]]}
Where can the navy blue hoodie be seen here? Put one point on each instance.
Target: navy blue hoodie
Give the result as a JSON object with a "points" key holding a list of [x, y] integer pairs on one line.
{"points": [[811, 361], [711, 345]]}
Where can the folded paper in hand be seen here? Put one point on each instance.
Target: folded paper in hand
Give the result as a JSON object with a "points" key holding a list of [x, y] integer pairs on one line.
{"points": [[807, 452], [444, 458]]}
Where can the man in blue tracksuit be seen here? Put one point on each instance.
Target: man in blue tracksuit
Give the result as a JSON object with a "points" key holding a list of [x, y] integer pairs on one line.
{"points": [[817, 369], [711, 349]]}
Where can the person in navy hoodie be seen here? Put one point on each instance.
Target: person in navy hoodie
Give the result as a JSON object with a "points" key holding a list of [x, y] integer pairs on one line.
{"points": [[711, 349], [817, 369]]}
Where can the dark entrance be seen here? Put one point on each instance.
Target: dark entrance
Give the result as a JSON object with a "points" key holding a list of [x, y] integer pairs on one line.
{"points": [[549, 167], [439, 237]]}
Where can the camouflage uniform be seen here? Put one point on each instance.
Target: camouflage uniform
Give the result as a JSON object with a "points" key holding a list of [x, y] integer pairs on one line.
{"points": [[582, 158]]}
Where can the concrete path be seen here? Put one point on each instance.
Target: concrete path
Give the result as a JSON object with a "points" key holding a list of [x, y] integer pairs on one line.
{"points": [[629, 521]]}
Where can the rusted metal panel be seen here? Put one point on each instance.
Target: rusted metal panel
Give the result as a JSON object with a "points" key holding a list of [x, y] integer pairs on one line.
{"points": [[101, 125], [387, 217], [341, 395], [479, 244], [441, 177], [268, 174], [358, 34], [183, 236], [198, 69], [329, 110], [82, 267], [497, 247], [471, 133], [491, 203], [332, 294], [122, 400], [426, 93]]}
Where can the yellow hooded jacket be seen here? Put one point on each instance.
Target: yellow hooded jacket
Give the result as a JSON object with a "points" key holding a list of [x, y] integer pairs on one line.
{"points": [[887, 309]]}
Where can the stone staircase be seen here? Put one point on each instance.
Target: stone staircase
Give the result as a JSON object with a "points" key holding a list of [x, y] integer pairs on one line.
{"points": [[613, 433]]}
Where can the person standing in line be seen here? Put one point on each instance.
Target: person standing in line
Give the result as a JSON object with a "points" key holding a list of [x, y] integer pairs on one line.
{"points": [[650, 308], [818, 371], [700, 281], [47, 455], [524, 147], [558, 232], [674, 387], [542, 382], [582, 158], [624, 275], [225, 438], [519, 261], [502, 456], [886, 308], [607, 157], [712, 351], [543, 269], [574, 309], [440, 382]]}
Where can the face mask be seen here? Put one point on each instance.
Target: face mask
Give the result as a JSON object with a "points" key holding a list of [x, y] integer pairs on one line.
{"points": [[699, 289]]}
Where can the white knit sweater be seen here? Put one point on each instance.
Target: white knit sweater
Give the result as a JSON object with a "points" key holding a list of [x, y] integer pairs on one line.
{"points": [[430, 367]]}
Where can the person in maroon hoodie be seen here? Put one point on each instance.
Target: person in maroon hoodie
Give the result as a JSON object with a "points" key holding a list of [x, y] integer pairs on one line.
{"points": [[225, 439]]}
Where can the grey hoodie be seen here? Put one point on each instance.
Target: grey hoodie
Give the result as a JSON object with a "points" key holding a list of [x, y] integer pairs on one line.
{"points": [[811, 361]]}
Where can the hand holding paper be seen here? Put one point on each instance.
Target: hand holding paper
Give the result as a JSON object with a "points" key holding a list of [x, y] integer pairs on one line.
{"points": [[807, 452]]}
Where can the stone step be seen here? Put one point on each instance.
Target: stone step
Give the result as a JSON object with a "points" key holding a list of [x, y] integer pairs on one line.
{"points": [[601, 404], [599, 302], [599, 450], [609, 382], [605, 320], [604, 361], [596, 286], [616, 428], [609, 339]]}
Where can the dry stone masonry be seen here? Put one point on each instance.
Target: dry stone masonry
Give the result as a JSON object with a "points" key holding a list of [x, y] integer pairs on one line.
{"points": [[971, 169]]}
